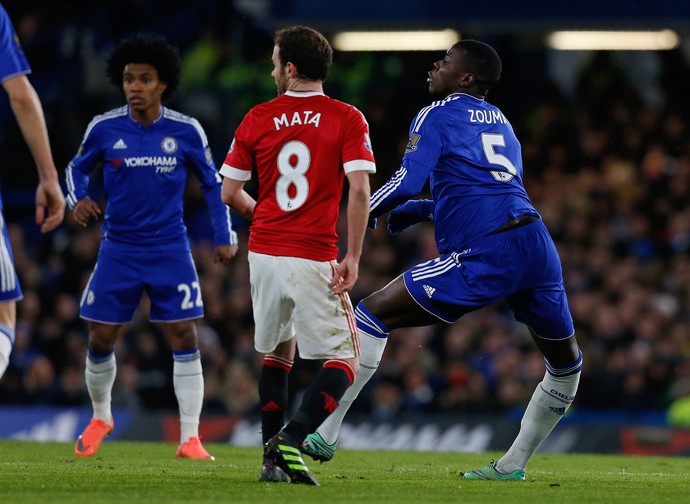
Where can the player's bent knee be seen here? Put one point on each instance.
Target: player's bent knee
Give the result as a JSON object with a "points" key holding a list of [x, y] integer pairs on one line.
{"points": [[558, 352], [349, 366]]}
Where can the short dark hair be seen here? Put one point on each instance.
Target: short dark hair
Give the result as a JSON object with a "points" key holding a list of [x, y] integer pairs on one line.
{"points": [[149, 49], [307, 49], [482, 60]]}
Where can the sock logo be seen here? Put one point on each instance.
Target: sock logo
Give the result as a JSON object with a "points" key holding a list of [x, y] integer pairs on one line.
{"points": [[271, 406], [561, 395], [329, 403], [558, 411]]}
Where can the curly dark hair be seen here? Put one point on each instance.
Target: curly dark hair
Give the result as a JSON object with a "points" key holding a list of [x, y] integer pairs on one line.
{"points": [[149, 49], [307, 49]]}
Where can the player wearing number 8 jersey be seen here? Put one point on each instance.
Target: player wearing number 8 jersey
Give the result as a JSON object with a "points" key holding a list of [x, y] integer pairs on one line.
{"points": [[302, 145], [146, 151], [492, 242]]}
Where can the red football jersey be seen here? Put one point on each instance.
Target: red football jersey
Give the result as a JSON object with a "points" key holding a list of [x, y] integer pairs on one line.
{"points": [[301, 145]]}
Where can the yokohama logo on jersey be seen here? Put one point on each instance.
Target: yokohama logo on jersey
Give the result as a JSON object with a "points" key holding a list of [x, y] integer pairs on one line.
{"points": [[157, 161]]}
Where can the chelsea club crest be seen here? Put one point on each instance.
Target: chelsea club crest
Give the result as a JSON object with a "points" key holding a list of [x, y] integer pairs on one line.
{"points": [[169, 145]]}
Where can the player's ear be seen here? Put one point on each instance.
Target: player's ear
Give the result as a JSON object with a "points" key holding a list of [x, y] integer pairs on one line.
{"points": [[290, 70], [467, 80]]}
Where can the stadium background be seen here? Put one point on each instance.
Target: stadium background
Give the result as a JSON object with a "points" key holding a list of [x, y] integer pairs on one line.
{"points": [[607, 162]]}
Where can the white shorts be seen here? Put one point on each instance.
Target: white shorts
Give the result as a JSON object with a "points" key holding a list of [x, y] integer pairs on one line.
{"points": [[291, 297]]}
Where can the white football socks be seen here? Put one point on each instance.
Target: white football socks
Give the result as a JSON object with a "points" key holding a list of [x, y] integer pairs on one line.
{"points": [[100, 377], [188, 380], [551, 399], [6, 342], [372, 348]]}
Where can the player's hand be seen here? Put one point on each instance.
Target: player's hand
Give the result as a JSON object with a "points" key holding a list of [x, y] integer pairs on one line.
{"points": [[86, 209], [345, 276], [50, 205], [223, 254], [409, 213]]}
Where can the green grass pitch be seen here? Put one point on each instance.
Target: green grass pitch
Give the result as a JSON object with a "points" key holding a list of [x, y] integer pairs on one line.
{"points": [[124, 472]]}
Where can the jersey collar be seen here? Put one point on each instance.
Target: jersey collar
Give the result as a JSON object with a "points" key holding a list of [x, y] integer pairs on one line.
{"points": [[160, 116], [465, 94], [303, 94]]}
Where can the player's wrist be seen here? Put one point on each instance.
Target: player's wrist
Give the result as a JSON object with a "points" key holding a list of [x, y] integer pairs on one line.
{"points": [[425, 210]]}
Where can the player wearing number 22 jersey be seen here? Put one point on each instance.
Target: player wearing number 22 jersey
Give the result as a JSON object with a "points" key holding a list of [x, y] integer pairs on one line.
{"points": [[145, 171], [146, 151]]}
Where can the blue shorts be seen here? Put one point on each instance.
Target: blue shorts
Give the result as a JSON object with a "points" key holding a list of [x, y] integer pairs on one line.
{"points": [[121, 277], [520, 266], [10, 290]]}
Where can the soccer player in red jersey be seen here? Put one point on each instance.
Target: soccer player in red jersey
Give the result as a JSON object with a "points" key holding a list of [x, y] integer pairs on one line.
{"points": [[302, 144]]}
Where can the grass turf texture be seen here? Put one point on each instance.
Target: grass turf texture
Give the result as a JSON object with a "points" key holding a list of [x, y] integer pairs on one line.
{"points": [[124, 472]]}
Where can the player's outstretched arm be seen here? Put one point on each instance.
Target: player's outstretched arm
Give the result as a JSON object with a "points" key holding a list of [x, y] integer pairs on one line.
{"points": [[27, 108], [410, 213]]}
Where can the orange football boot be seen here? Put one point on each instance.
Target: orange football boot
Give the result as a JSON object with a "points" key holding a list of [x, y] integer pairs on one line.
{"points": [[193, 449], [89, 441]]}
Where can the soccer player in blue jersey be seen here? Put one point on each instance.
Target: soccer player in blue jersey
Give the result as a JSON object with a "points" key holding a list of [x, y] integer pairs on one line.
{"points": [[493, 245], [50, 202], [146, 151]]}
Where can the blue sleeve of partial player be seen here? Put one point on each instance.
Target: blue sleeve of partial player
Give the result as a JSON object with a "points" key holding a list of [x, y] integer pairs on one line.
{"points": [[220, 215], [211, 182], [88, 157], [13, 62], [405, 183]]}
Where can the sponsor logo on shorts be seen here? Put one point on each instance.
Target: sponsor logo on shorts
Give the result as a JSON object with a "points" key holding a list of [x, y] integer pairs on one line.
{"points": [[429, 290], [90, 298]]}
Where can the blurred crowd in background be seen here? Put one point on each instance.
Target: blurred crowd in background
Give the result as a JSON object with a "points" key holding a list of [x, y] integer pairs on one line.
{"points": [[607, 168]]}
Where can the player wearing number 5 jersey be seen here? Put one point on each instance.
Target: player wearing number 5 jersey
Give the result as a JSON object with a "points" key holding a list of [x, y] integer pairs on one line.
{"points": [[492, 242], [146, 151], [302, 145]]}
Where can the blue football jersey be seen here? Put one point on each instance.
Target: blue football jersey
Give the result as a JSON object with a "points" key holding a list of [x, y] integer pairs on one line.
{"points": [[12, 58], [467, 150], [144, 173]]}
